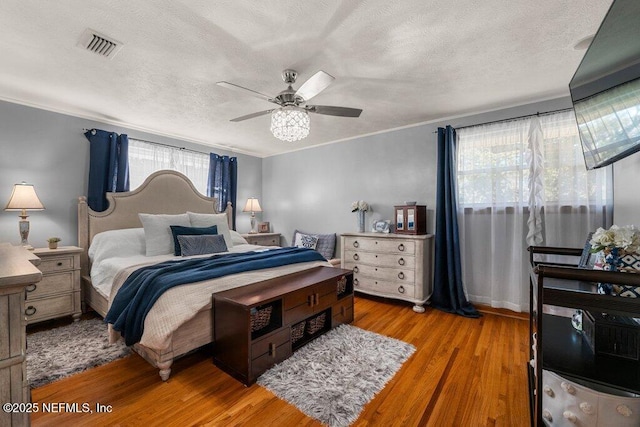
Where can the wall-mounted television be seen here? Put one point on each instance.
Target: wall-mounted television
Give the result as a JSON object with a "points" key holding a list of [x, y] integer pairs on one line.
{"points": [[605, 90]]}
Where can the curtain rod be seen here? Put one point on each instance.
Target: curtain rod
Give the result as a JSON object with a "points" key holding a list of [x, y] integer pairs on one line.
{"points": [[514, 118], [161, 144]]}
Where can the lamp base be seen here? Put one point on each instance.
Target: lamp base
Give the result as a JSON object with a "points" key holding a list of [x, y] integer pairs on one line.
{"points": [[253, 224]]}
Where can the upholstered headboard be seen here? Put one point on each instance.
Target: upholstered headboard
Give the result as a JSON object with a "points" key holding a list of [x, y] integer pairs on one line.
{"points": [[163, 192]]}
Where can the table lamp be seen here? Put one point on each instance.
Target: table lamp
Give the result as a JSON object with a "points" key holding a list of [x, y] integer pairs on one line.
{"points": [[252, 206], [24, 198]]}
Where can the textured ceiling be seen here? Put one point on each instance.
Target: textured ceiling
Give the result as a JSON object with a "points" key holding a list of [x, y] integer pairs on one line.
{"points": [[403, 62]]}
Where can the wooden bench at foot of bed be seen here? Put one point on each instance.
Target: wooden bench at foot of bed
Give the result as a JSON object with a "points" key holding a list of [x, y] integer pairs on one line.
{"points": [[259, 325]]}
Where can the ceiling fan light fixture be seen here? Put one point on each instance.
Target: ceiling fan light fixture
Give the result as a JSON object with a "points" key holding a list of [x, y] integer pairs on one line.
{"points": [[290, 123]]}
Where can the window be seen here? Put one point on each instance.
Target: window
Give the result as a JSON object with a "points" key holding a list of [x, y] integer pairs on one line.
{"points": [[494, 164], [146, 158]]}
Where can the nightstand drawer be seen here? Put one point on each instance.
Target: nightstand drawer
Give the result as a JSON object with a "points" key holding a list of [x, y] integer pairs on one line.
{"points": [[51, 284], [49, 307], [59, 263]]}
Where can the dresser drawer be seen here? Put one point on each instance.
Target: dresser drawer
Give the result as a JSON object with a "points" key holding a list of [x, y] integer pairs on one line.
{"points": [[401, 275], [49, 307], [382, 287], [51, 284], [380, 245], [54, 264], [380, 260]]}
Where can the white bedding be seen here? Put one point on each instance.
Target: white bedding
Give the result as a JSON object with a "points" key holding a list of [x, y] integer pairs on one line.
{"points": [[180, 304]]}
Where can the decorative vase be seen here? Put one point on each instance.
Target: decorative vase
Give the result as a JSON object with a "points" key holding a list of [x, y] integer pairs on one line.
{"points": [[53, 245], [361, 221], [611, 263]]}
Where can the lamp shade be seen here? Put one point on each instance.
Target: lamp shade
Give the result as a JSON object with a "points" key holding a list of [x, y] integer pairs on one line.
{"points": [[252, 205], [24, 197]]}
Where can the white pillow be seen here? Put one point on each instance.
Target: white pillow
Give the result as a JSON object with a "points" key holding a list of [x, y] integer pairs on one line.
{"points": [[158, 237], [207, 220], [237, 238], [306, 241], [117, 243]]}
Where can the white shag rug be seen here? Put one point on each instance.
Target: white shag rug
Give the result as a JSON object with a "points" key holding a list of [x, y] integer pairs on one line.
{"points": [[332, 378], [66, 350]]}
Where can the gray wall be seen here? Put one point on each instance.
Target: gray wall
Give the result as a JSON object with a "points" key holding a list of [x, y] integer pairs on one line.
{"points": [[626, 176], [49, 150], [312, 189]]}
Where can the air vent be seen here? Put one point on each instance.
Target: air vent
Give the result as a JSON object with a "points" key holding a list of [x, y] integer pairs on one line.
{"points": [[98, 43]]}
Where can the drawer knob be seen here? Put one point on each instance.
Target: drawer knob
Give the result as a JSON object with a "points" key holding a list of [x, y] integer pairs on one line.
{"points": [[356, 269], [401, 261], [355, 282], [356, 244], [356, 257], [272, 349], [570, 416], [32, 287], [401, 247], [624, 410], [30, 311], [568, 387], [401, 289], [401, 275], [59, 264]]}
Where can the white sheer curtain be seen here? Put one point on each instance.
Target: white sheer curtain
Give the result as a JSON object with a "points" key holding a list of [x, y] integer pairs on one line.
{"points": [[494, 169], [146, 158]]}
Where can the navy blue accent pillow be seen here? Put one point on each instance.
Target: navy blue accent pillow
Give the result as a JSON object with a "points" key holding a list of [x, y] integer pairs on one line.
{"points": [[202, 244], [178, 230]]}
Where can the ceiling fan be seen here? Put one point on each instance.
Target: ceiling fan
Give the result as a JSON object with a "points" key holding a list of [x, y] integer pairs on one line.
{"points": [[290, 121]]}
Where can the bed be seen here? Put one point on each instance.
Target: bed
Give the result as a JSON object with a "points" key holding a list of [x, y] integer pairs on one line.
{"points": [[163, 193]]}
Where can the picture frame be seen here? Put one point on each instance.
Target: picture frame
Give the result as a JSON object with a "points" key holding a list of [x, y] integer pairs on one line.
{"points": [[263, 227], [381, 226]]}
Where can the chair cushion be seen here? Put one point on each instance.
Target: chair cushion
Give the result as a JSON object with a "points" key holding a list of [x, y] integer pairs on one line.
{"points": [[326, 243], [306, 241]]}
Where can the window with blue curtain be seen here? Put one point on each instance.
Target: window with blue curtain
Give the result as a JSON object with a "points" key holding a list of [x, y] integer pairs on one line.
{"points": [[108, 166], [223, 181]]}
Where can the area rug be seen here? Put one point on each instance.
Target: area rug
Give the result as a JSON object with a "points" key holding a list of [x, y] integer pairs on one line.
{"points": [[66, 350], [332, 378]]}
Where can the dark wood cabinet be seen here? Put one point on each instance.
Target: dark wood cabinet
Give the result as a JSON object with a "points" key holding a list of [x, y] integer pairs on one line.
{"points": [[411, 219], [564, 363], [259, 325]]}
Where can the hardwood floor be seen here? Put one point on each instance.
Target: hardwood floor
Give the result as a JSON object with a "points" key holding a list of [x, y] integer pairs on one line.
{"points": [[465, 372]]}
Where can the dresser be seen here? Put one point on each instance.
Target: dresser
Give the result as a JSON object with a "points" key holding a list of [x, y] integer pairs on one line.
{"points": [[390, 265], [263, 239], [17, 271], [58, 294]]}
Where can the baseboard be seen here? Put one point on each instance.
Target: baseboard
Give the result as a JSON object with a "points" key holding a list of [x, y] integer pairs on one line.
{"points": [[501, 312]]}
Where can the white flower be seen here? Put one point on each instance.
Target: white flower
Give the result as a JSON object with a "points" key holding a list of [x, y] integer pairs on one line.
{"points": [[626, 238], [359, 205]]}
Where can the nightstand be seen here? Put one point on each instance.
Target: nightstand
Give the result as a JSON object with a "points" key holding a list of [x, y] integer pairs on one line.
{"points": [[263, 239], [58, 293]]}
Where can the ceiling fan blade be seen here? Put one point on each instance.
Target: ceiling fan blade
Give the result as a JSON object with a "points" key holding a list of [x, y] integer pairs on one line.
{"points": [[316, 84], [251, 116], [334, 111], [245, 91]]}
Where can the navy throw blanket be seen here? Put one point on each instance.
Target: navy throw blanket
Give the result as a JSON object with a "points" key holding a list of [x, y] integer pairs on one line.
{"points": [[145, 285]]}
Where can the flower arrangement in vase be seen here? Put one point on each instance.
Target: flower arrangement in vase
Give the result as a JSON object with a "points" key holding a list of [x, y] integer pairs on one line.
{"points": [[620, 247], [361, 207]]}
